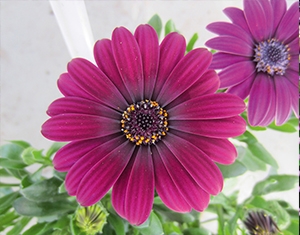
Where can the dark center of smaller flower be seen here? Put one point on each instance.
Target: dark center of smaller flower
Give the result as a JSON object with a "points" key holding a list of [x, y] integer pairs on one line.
{"points": [[144, 122], [272, 57]]}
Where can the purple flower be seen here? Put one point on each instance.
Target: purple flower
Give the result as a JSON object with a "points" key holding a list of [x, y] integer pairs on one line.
{"points": [[145, 118], [258, 55]]}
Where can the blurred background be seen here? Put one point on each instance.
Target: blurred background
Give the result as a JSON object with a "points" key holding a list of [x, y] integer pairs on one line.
{"points": [[33, 54]]}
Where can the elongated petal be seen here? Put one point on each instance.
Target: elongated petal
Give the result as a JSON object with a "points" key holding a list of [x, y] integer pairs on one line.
{"points": [[236, 73], [294, 93], [225, 28], [230, 45], [207, 84], [216, 128], [80, 105], [68, 155], [68, 87], [172, 50], [259, 100], [279, 8], [140, 188], [194, 195], [88, 160], [222, 60], [269, 14], [212, 106], [283, 100], [288, 25], [129, 62], [166, 187], [237, 17], [148, 43], [102, 176], [94, 81], [106, 62], [242, 89], [68, 127], [218, 150], [256, 19], [184, 75]]}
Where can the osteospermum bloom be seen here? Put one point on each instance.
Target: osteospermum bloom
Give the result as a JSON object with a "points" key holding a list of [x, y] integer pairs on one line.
{"points": [[258, 55], [145, 118]]}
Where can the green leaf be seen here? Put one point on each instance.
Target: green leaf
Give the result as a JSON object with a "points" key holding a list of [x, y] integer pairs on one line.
{"points": [[11, 164], [233, 170], [196, 231], [19, 226], [294, 121], [279, 214], [7, 200], [170, 27], [156, 23], [8, 218], [37, 229], [251, 162], [152, 226], [25, 207], [19, 174], [287, 127], [117, 224], [21, 143], [46, 190], [293, 228], [11, 151], [275, 183], [192, 42], [31, 155]]}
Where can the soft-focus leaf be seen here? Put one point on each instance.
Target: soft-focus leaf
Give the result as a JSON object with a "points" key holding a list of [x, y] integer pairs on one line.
{"points": [[7, 200], [192, 42], [19, 174], [196, 231], [11, 164], [8, 218], [294, 121], [54, 148], [11, 151], [280, 216], [31, 155], [170, 27], [21, 143], [170, 228], [59, 175], [156, 23], [249, 161], [152, 226], [275, 183], [4, 173], [26, 207], [293, 228], [117, 223], [19, 226], [36, 229], [233, 170], [46, 190], [283, 128]]}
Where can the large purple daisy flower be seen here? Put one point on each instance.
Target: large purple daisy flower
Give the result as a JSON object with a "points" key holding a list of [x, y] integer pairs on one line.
{"points": [[145, 118], [258, 55]]}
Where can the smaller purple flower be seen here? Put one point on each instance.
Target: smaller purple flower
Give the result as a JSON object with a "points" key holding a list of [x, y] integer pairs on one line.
{"points": [[258, 57]]}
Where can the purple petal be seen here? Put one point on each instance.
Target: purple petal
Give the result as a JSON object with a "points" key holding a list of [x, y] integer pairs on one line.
{"points": [[172, 50], [256, 19], [283, 101], [68, 87], [80, 105], [193, 194], [269, 14], [68, 155], [102, 176], [185, 74], [228, 29], [216, 128], [222, 60], [106, 62], [292, 76], [68, 127], [259, 100], [294, 47], [218, 150], [279, 8], [166, 188], [207, 84], [212, 106], [294, 93], [195, 161], [236, 73], [94, 81], [90, 158], [242, 89], [138, 186], [232, 45], [129, 62], [288, 27], [149, 46], [237, 17]]}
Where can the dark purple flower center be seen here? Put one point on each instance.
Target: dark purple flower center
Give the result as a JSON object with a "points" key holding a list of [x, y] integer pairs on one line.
{"points": [[272, 57], [144, 122]]}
